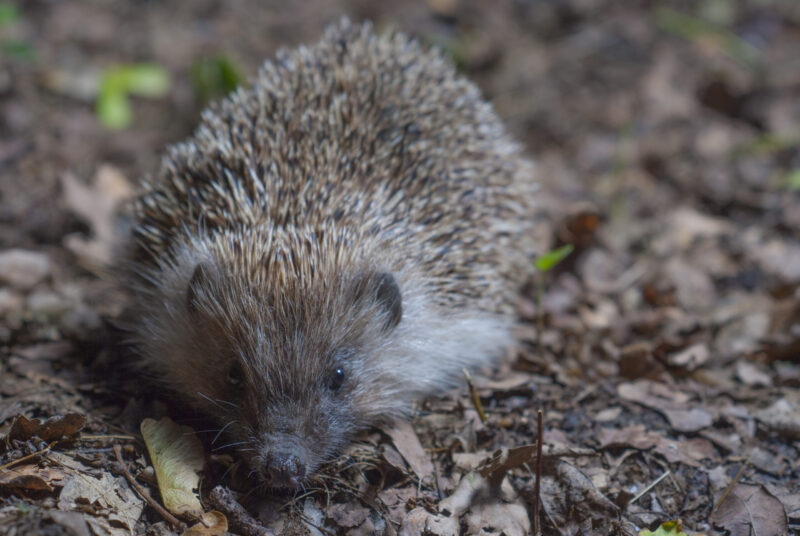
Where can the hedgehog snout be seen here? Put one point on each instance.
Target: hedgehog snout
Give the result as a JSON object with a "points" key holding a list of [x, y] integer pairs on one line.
{"points": [[284, 470], [284, 460]]}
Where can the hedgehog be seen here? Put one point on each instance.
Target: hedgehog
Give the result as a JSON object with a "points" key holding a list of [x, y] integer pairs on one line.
{"points": [[336, 241]]}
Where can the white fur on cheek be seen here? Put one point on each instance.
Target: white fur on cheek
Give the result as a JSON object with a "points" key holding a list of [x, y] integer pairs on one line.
{"points": [[427, 352]]}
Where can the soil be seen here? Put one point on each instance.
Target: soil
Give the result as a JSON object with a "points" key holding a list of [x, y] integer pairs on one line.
{"points": [[663, 352]]}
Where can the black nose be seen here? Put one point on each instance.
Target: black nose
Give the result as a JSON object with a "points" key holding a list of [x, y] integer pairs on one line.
{"points": [[285, 470]]}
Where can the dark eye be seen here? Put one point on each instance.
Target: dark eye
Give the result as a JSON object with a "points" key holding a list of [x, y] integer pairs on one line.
{"points": [[235, 374], [337, 379]]}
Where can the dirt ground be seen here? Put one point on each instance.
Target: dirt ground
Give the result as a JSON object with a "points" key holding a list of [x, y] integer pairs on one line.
{"points": [[664, 351]]}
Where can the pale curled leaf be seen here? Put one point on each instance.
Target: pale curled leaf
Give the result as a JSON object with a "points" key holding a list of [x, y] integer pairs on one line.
{"points": [[177, 457]]}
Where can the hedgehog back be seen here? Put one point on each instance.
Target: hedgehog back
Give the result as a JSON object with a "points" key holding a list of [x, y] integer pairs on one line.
{"points": [[371, 133]]}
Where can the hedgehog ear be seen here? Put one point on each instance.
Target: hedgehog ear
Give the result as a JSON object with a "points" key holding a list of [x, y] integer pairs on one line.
{"points": [[201, 277], [387, 294]]}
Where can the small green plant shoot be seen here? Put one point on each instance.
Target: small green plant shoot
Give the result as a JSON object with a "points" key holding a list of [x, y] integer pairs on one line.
{"points": [[13, 48], [670, 528], [119, 82], [552, 258], [214, 77], [544, 263]]}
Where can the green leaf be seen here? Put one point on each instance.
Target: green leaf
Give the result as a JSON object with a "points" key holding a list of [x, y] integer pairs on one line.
{"points": [[550, 259], [670, 528], [116, 83], [114, 109], [792, 180], [215, 76], [9, 14], [147, 80], [19, 50], [144, 80]]}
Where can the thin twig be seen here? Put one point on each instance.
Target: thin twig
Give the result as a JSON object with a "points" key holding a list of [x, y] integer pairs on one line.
{"points": [[653, 484], [172, 520], [537, 526], [29, 456], [476, 400], [121, 437], [731, 485]]}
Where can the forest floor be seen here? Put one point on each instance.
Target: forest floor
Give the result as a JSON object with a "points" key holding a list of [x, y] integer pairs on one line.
{"points": [[664, 352]]}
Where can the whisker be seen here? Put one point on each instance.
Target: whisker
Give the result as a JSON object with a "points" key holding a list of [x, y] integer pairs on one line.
{"points": [[229, 403], [209, 431], [218, 402], [228, 470], [209, 399], [220, 432], [229, 445]]}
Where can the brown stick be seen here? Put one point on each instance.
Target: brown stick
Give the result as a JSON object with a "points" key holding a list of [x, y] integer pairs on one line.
{"points": [[731, 485], [537, 526], [121, 437], [476, 400], [28, 457], [239, 518], [171, 519], [653, 484]]}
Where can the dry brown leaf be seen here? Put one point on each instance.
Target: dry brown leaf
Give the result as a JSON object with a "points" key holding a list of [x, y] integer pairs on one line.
{"points": [[396, 501], [512, 383], [749, 509], [688, 420], [407, 443], [689, 451], [504, 460], [470, 461], [393, 458], [685, 225], [783, 416], [690, 358], [30, 477], [73, 523], [767, 461], [114, 506], [636, 436], [636, 360], [347, 515], [49, 430], [568, 494], [480, 504], [97, 205], [671, 403], [211, 524], [509, 519], [778, 257], [420, 521], [751, 374], [694, 288]]}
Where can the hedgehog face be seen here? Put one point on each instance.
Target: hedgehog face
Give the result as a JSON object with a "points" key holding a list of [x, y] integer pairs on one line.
{"points": [[291, 368]]}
